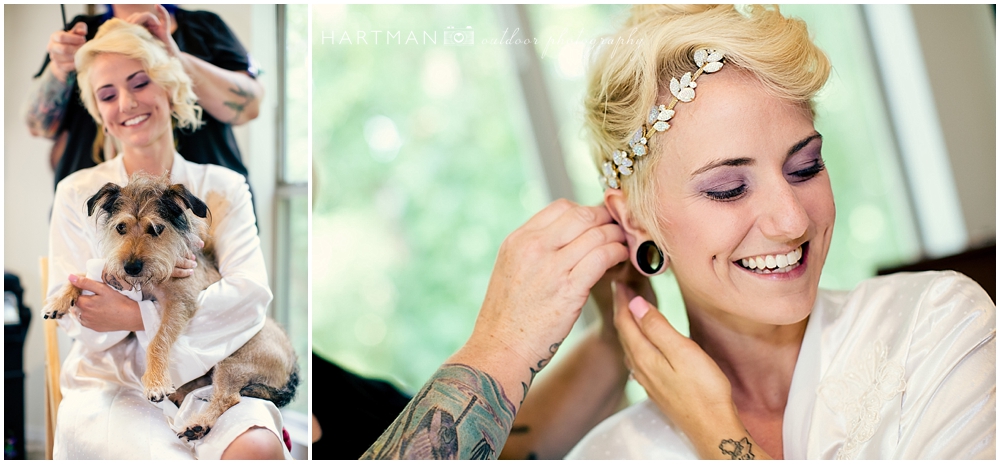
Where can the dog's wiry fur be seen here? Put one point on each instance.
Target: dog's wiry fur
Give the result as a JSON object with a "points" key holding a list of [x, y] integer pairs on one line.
{"points": [[143, 228]]}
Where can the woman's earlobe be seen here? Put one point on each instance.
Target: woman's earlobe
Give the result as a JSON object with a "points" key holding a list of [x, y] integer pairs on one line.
{"points": [[649, 259], [646, 256]]}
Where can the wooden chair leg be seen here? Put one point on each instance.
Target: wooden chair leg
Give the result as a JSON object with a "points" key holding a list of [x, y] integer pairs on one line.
{"points": [[53, 395]]}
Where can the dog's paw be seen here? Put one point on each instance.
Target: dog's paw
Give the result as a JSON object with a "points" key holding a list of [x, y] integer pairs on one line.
{"points": [[57, 306], [56, 309], [194, 432], [158, 393], [53, 314]]}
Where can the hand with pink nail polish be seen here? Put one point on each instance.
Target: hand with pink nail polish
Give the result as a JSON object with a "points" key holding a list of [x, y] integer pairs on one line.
{"points": [[684, 382]]}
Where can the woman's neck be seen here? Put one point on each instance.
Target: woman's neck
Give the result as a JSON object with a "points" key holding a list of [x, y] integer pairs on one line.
{"points": [[759, 359], [155, 159]]}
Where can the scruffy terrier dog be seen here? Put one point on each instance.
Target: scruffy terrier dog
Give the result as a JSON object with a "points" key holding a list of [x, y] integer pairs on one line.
{"points": [[144, 227]]}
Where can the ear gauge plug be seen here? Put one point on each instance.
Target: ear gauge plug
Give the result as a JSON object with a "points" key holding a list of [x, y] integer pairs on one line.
{"points": [[649, 258]]}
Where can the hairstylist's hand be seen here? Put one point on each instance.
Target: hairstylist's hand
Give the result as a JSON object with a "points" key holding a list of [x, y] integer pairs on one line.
{"points": [[62, 49], [158, 25], [106, 310], [543, 274], [683, 381]]}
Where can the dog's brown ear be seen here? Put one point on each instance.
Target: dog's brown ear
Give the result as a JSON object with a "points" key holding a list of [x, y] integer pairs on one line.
{"points": [[180, 195], [107, 197]]}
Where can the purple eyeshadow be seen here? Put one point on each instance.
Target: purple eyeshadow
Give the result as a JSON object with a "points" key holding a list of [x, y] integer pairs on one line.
{"points": [[105, 94], [722, 181]]}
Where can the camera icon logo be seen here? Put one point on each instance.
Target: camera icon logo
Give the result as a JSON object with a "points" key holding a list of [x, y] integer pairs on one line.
{"points": [[459, 37]]}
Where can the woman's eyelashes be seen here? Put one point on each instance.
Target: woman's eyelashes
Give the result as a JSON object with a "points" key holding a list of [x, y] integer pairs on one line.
{"points": [[727, 192], [137, 82], [809, 171], [106, 95]]}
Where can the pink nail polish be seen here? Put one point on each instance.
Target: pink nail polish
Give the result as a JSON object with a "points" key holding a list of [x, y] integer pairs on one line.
{"points": [[73, 278], [638, 306]]}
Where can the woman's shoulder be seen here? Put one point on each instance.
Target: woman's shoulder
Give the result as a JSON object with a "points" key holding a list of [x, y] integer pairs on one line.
{"points": [[213, 177], [887, 348], [908, 296], [89, 181], [913, 324]]}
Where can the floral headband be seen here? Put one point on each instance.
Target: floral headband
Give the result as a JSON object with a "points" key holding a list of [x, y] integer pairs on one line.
{"points": [[622, 162]]}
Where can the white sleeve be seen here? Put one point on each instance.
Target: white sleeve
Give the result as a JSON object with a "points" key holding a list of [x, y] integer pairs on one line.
{"points": [[71, 244], [232, 310], [949, 407]]}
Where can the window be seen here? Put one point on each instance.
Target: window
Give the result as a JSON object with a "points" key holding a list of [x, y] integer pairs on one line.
{"points": [[291, 200]]}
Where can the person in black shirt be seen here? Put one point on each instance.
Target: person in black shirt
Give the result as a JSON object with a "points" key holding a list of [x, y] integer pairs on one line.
{"points": [[224, 78], [368, 405]]}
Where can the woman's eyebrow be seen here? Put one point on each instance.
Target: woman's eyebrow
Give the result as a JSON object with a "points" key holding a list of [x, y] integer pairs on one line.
{"points": [[725, 162], [802, 143], [127, 79], [749, 161]]}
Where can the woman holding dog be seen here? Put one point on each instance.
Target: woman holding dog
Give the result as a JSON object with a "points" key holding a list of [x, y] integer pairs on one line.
{"points": [[713, 168], [136, 91]]}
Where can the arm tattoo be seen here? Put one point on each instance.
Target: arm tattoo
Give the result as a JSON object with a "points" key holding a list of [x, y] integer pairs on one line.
{"points": [[244, 98], [538, 368], [737, 450], [47, 102], [461, 413]]}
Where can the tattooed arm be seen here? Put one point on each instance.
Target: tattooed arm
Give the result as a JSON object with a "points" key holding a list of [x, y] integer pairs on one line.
{"points": [[543, 274], [48, 98], [461, 413], [584, 387], [232, 97], [466, 409], [50, 93]]}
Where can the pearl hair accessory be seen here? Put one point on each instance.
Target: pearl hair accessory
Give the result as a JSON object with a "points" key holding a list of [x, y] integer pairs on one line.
{"points": [[622, 161]]}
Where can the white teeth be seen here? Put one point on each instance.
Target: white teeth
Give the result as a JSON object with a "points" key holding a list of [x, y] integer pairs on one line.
{"points": [[136, 120], [768, 263]]}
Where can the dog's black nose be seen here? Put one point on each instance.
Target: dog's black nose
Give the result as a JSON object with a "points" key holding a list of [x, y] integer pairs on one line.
{"points": [[133, 267]]}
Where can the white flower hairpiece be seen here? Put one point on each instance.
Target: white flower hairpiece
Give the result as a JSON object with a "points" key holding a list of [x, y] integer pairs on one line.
{"points": [[622, 161]]}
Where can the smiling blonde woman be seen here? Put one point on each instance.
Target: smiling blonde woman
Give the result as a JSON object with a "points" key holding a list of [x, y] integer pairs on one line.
{"points": [[713, 168], [136, 91]]}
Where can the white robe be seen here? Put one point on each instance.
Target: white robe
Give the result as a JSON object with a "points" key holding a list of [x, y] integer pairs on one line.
{"points": [[104, 413], [901, 367]]}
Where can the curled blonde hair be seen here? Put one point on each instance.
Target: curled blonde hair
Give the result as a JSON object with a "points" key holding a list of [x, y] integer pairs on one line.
{"points": [[135, 42], [628, 76]]}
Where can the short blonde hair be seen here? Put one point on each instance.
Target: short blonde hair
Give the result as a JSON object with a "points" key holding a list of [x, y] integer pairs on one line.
{"points": [[627, 77], [135, 42]]}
